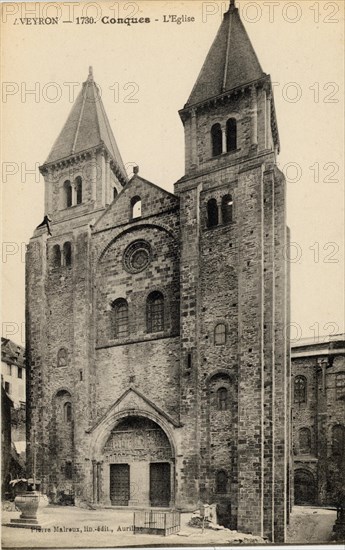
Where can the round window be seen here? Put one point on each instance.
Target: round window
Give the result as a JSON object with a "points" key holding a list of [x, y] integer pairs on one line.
{"points": [[137, 256]]}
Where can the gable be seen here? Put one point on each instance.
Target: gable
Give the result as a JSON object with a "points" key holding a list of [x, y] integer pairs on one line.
{"points": [[154, 201], [133, 401]]}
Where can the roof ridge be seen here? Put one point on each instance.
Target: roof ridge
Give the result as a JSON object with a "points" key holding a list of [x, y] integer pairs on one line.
{"points": [[86, 127], [231, 61], [227, 52], [85, 84]]}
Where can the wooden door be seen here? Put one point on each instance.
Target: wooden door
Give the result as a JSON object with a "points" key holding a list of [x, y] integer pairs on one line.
{"points": [[160, 483], [119, 484]]}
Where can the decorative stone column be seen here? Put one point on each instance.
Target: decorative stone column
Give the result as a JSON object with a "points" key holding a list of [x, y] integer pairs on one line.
{"points": [[94, 481], [99, 482], [224, 147]]}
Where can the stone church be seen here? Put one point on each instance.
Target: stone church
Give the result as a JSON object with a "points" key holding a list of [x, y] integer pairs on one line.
{"points": [[156, 322]]}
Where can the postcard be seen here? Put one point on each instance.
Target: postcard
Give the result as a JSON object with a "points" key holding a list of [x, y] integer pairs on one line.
{"points": [[173, 349]]}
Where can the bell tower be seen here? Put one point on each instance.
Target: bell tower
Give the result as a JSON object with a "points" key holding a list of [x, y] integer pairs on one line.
{"points": [[83, 174], [234, 289], [84, 170]]}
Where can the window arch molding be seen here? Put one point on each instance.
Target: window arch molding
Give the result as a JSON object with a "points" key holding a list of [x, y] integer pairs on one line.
{"points": [[133, 231], [63, 390], [219, 375]]}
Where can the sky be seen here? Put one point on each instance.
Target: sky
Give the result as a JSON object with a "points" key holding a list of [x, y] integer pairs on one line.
{"points": [[146, 72]]}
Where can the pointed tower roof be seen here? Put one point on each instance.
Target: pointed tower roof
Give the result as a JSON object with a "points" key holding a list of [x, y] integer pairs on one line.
{"points": [[230, 63], [86, 127]]}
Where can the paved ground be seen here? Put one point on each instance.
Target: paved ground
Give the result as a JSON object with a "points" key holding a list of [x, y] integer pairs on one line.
{"points": [[74, 527], [310, 525]]}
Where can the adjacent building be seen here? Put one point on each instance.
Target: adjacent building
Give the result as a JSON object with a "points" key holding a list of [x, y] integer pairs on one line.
{"points": [[318, 419], [13, 371], [157, 354], [13, 413]]}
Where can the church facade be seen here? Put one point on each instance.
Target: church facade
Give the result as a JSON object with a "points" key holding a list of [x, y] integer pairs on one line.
{"points": [[157, 350]]}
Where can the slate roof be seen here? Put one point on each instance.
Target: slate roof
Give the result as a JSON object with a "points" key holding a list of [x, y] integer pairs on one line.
{"points": [[86, 127], [230, 63], [12, 353]]}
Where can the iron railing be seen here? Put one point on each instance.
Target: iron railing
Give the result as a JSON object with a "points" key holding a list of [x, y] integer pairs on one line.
{"points": [[157, 523]]}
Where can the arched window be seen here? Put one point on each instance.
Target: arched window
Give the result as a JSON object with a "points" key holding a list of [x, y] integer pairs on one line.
{"points": [[222, 399], [338, 440], [221, 482], [67, 254], [216, 137], [67, 412], [304, 437], [120, 318], [115, 193], [340, 385], [135, 207], [62, 357], [212, 213], [227, 204], [155, 312], [68, 193], [78, 189], [56, 256], [231, 135], [220, 334], [300, 389]]}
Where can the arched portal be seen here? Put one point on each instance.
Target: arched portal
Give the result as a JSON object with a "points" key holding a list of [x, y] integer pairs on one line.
{"points": [[138, 464], [305, 489]]}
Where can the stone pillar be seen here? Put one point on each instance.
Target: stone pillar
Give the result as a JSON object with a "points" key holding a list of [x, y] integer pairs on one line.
{"points": [[74, 194], [220, 215], [94, 481], [99, 481], [224, 148]]}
